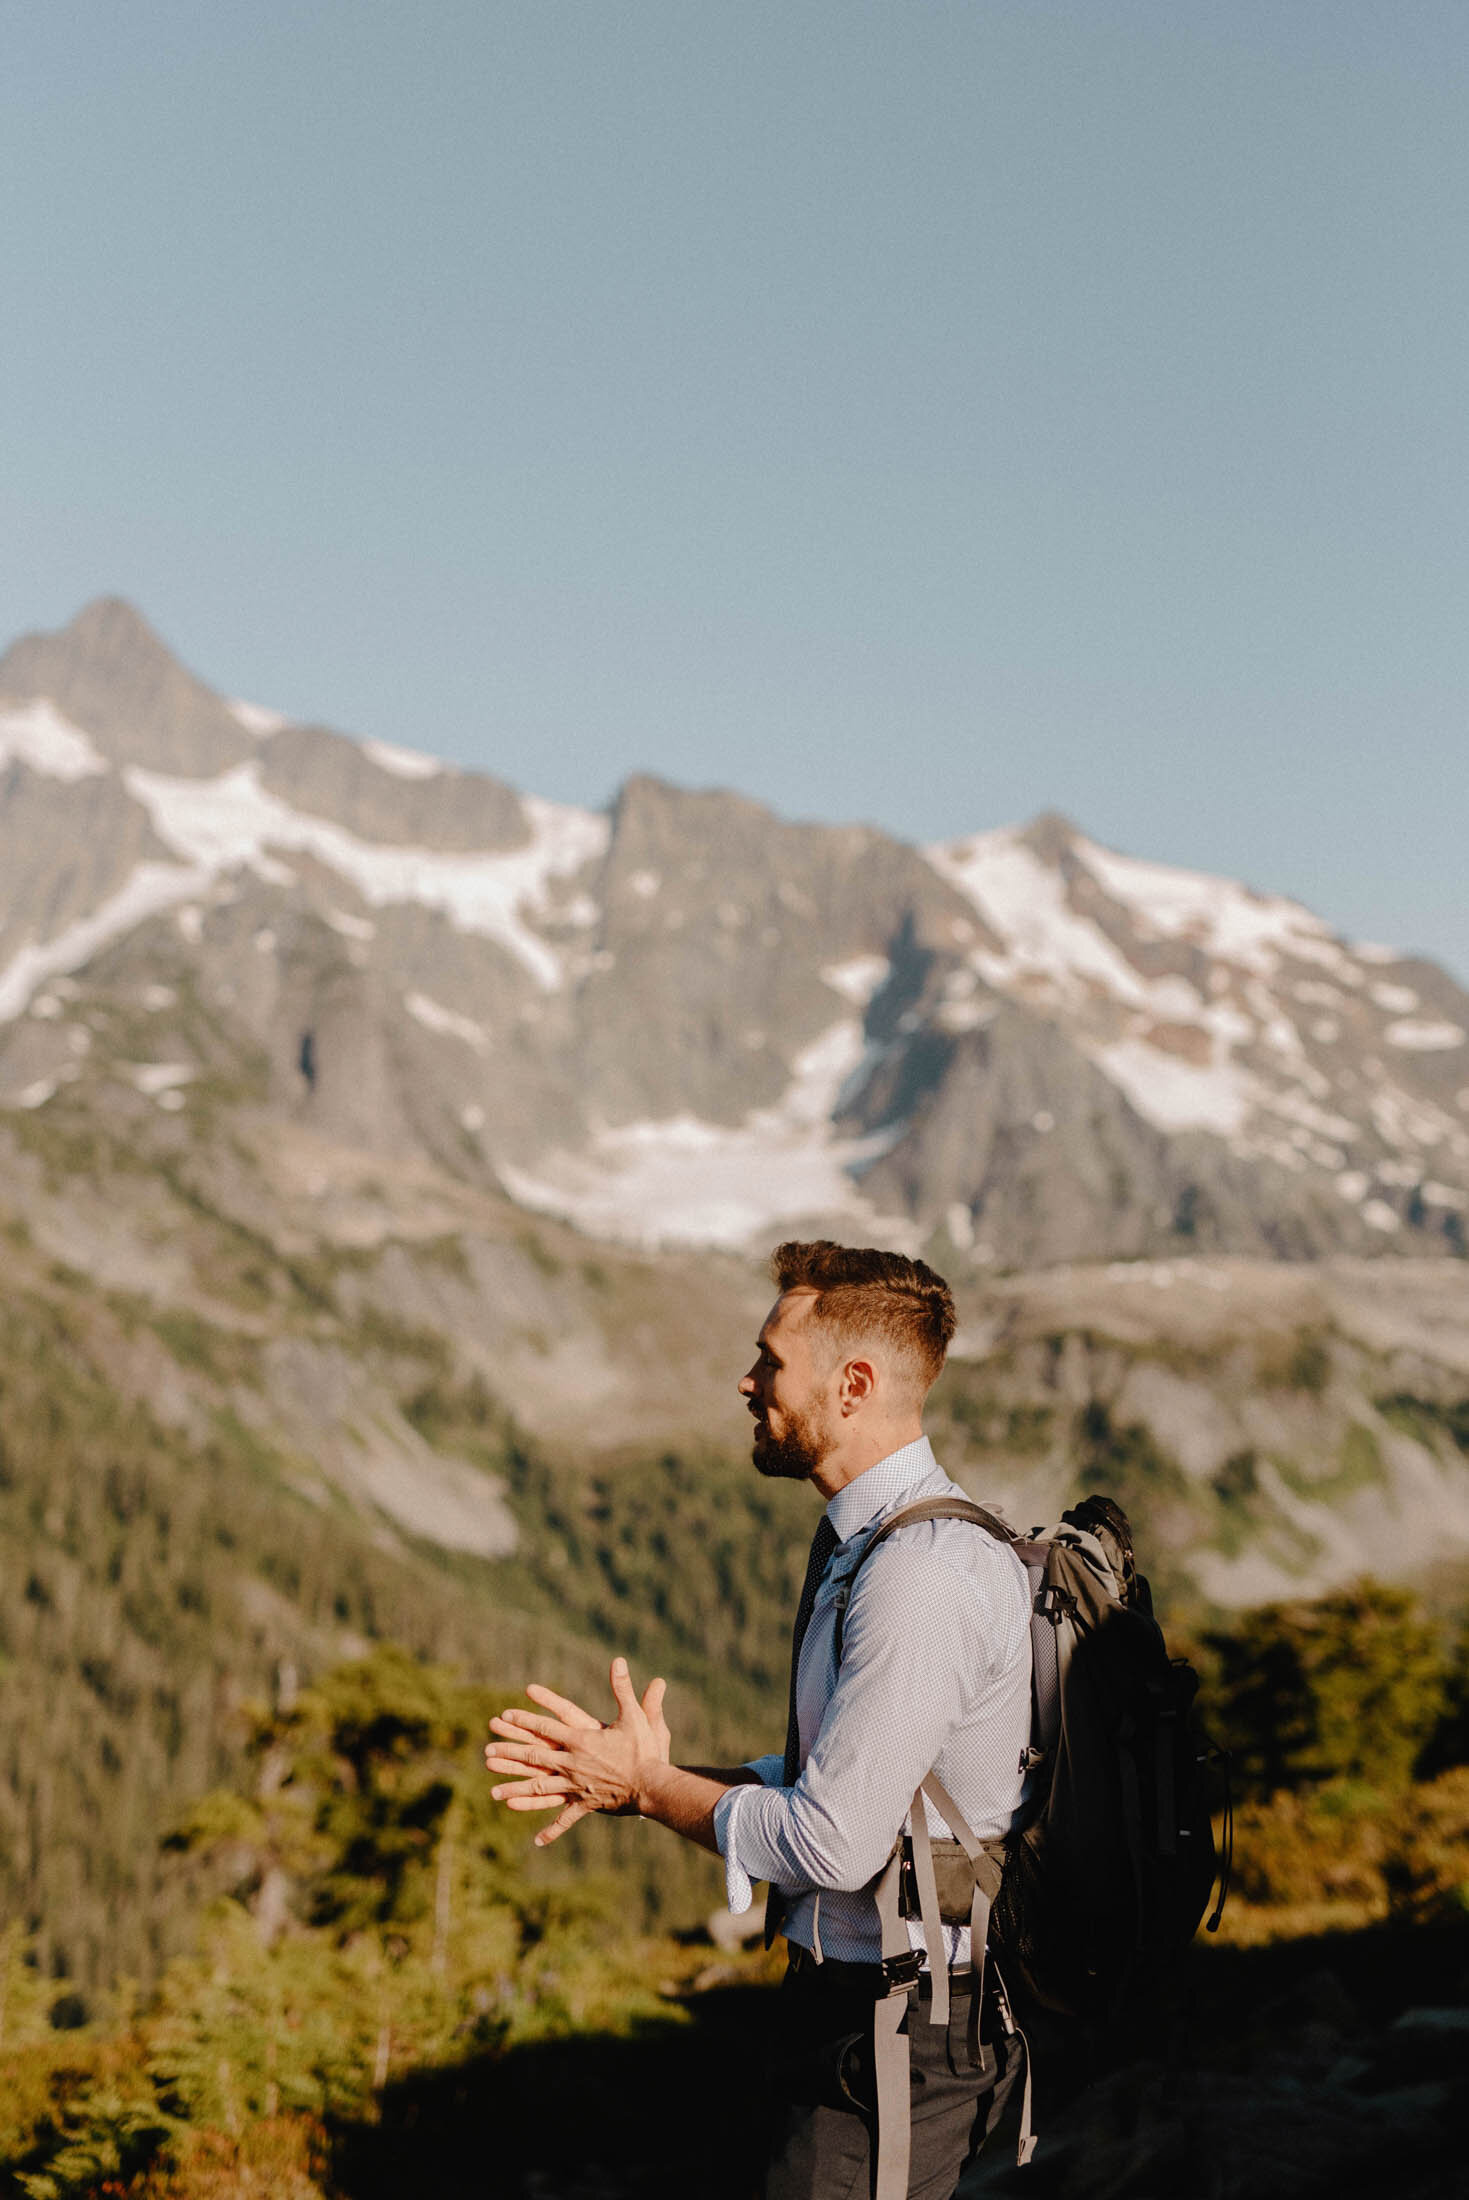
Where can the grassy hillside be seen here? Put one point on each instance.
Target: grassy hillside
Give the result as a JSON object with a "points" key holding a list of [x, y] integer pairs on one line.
{"points": [[153, 1577], [389, 1989]]}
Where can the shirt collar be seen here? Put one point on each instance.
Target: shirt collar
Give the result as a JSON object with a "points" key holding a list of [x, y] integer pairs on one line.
{"points": [[874, 1492]]}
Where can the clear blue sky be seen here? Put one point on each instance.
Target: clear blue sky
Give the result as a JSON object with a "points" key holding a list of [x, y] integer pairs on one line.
{"points": [[922, 412]]}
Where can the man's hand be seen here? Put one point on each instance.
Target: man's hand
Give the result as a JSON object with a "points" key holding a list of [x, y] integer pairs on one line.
{"points": [[574, 1764]]}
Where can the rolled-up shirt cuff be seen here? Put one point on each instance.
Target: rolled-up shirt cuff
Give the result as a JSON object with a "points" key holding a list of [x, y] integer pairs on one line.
{"points": [[739, 1890]]}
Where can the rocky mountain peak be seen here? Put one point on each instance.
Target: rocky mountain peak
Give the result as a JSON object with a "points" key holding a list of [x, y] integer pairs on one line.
{"points": [[1051, 836], [109, 632], [111, 676], [695, 1020]]}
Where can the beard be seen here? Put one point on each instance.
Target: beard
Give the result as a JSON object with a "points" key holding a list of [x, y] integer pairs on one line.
{"points": [[793, 1457]]}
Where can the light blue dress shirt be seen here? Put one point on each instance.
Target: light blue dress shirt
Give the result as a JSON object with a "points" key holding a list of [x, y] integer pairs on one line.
{"points": [[935, 1677]]}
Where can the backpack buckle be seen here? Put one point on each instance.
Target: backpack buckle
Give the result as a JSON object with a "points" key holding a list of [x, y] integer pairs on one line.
{"points": [[901, 1973]]}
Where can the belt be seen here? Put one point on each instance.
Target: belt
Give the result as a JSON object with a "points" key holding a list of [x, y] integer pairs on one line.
{"points": [[804, 1964]]}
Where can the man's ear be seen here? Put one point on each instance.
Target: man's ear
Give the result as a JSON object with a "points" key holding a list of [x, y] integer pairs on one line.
{"points": [[858, 1385]]}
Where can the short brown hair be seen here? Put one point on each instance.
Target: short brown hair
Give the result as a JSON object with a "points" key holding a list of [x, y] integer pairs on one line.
{"points": [[863, 1292]]}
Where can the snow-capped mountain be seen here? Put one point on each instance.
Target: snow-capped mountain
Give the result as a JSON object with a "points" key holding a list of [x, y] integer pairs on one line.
{"points": [[688, 1021]]}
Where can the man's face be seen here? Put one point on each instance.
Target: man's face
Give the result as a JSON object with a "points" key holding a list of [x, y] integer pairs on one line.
{"points": [[788, 1391]]}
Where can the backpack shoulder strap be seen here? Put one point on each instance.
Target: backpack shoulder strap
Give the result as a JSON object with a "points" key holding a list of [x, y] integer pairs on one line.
{"points": [[929, 1508]]}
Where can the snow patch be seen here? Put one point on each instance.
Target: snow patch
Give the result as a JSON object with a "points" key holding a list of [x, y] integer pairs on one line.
{"points": [[350, 927], [256, 718], [447, 1022], [1424, 1038], [1401, 1121], [228, 823], [1177, 1095], [402, 763], [156, 1077], [35, 734], [1024, 901], [858, 980], [682, 1181], [1252, 930], [151, 888], [955, 1017]]}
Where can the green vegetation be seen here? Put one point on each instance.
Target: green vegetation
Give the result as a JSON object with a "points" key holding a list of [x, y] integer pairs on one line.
{"points": [[1347, 1720], [687, 1559], [1301, 1362], [1427, 1420], [1238, 1480], [150, 1578], [967, 1401], [368, 1911], [1347, 1854], [331, 1933], [385, 1971], [1125, 1460], [153, 1573], [1358, 1465], [1353, 1687]]}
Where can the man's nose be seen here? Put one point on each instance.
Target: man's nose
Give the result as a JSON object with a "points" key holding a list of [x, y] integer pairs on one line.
{"points": [[746, 1386]]}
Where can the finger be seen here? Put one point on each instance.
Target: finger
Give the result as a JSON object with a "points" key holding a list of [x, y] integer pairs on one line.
{"points": [[536, 1722], [653, 1697], [516, 1723], [622, 1687], [518, 1755], [512, 1801], [544, 1784], [563, 1706], [551, 1782], [568, 1818]]}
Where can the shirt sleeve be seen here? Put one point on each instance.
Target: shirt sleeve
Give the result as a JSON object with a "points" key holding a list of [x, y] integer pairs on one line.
{"points": [[923, 1638], [738, 1888], [769, 1770]]}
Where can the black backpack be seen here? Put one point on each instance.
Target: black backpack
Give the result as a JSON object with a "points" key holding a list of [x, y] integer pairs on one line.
{"points": [[1107, 1873]]}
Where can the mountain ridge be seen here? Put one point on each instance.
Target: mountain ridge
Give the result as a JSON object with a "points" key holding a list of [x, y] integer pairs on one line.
{"points": [[685, 1019], [385, 1154]]}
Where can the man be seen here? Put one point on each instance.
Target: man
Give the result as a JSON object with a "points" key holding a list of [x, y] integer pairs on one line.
{"points": [[934, 1677]]}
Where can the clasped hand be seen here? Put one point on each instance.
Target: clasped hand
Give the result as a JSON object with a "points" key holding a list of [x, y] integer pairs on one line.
{"points": [[574, 1763]]}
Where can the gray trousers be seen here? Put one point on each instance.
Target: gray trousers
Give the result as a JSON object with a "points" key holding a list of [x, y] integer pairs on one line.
{"points": [[821, 2087]]}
